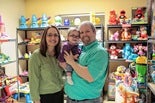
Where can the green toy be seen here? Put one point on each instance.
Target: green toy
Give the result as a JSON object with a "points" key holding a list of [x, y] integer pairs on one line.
{"points": [[141, 68]]}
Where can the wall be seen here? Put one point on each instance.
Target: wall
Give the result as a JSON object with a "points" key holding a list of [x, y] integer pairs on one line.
{"points": [[10, 12], [55, 7]]}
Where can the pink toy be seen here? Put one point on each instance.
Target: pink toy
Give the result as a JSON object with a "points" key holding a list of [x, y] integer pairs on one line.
{"points": [[140, 49], [115, 36]]}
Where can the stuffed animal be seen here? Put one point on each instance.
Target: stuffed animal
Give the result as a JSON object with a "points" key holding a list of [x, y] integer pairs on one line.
{"points": [[141, 68], [114, 52], [122, 18], [128, 52], [44, 20], [113, 18], [115, 36], [119, 73], [34, 21], [23, 22], [140, 49], [128, 96], [143, 33], [126, 35], [139, 15]]}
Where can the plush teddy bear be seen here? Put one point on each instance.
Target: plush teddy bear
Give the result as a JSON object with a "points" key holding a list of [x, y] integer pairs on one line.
{"points": [[113, 18]]}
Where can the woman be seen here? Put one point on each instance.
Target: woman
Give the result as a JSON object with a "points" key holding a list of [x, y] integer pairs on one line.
{"points": [[45, 75]]}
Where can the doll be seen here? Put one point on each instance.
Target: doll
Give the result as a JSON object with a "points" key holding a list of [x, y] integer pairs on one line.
{"points": [[139, 15], [140, 49]]}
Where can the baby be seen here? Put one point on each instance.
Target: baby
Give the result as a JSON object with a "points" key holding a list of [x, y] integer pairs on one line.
{"points": [[71, 45]]}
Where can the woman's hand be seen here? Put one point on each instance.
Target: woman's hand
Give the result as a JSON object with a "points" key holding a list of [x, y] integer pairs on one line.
{"points": [[69, 57]]}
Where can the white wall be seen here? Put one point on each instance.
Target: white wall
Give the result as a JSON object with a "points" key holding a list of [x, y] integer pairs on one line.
{"points": [[11, 10]]}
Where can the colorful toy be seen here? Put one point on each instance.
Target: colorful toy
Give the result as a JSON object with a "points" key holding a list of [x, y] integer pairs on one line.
{"points": [[113, 18], [114, 52], [139, 15], [66, 22], [44, 20], [126, 35], [58, 21], [128, 52], [119, 74], [140, 49], [122, 18], [128, 96], [23, 22], [77, 21], [34, 21], [115, 36], [141, 68], [143, 33]]}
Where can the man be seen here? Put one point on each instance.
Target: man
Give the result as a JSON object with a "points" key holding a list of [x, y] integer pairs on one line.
{"points": [[90, 72]]}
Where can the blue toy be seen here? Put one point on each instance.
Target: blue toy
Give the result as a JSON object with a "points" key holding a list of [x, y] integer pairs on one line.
{"points": [[44, 22], [34, 21], [23, 21], [128, 52], [66, 22]]}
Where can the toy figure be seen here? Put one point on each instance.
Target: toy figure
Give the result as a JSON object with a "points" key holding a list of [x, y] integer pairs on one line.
{"points": [[122, 18], [126, 35], [141, 68], [113, 51], [3, 34], [58, 21], [44, 22], [128, 96], [139, 15], [113, 18], [140, 49], [115, 36], [143, 33], [66, 22], [119, 74], [23, 21], [34, 22], [128, 52]]}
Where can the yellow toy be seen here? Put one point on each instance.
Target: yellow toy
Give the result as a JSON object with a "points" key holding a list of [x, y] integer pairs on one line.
{"points": [[128, 96], [119, 74]]}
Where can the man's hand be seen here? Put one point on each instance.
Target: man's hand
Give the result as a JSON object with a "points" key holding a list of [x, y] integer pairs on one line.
{"points": [[69, 57]]}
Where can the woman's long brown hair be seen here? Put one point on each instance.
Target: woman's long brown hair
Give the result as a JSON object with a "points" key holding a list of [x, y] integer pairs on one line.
{"points": [[43, 43]]}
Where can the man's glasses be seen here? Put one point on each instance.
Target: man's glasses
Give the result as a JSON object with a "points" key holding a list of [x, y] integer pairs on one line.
{"points": [[74, 36]]}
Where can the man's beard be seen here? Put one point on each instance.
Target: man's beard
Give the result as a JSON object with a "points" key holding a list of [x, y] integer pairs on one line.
{"points": [[86, 40]]}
